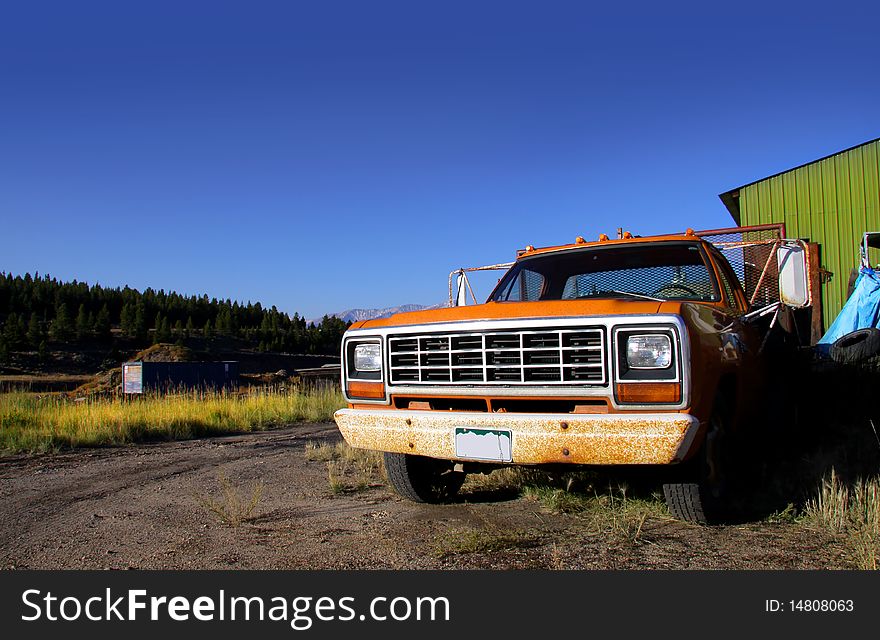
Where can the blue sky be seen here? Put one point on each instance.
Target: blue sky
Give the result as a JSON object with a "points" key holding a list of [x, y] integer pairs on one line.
{"points": [[321, 156]]}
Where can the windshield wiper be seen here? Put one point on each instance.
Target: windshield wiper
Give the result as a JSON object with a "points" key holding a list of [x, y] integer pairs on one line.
{"points": [[637, 295]]}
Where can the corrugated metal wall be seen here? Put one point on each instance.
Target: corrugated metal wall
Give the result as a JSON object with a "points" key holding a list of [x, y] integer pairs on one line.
{"points": [[832, 201]]}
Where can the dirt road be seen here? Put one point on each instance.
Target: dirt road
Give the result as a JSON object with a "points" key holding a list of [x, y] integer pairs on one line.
{"points": [[143, 506]]}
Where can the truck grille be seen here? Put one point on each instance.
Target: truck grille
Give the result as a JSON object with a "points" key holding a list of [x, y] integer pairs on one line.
{"points": [[542, 357]]}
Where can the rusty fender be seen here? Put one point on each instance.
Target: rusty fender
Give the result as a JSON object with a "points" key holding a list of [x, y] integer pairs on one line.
{"points": [[605, 439]]}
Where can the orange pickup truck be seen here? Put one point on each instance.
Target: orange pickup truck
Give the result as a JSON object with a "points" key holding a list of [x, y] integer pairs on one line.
{"points": [[636, 351]]}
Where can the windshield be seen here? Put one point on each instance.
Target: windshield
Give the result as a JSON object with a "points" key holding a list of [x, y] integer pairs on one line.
{"points": [[660, 271]]}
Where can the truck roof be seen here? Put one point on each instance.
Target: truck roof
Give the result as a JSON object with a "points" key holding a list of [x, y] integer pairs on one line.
{"points": [[580, 243]]}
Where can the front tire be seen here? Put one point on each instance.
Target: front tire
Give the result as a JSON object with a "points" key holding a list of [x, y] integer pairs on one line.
{"points": [[422, 479], [702, 494]]}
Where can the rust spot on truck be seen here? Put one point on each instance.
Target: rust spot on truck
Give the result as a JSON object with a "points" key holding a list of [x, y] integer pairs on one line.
{"points": [[537, 439]]}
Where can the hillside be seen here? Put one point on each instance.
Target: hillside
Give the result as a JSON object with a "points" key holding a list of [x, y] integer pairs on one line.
{"points": [[356, 315], [54, 334]]}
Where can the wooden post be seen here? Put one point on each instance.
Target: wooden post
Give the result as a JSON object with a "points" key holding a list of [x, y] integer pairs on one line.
{"points": [[817, 326]]}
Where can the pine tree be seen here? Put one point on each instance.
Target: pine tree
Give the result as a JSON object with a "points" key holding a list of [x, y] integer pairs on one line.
{"points": [[163, 331], [43, 351], [157, 326], [190, 327], [34, 331], [14, 332], [222, 322], [207, 331], [126, 320], [82, 323], [140, 319], [21, 331], [61, 326], [234, 322], [178, 331], [101, 327]]}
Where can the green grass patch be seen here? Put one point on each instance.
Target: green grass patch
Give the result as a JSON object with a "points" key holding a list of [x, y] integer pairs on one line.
{"points": [[34, 423]]}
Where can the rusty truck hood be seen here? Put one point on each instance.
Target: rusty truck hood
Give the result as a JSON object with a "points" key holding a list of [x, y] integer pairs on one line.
{"points": [[523, 310]]}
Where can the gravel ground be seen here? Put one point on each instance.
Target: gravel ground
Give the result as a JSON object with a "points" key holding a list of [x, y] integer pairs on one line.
{"points": [[144, 506]]}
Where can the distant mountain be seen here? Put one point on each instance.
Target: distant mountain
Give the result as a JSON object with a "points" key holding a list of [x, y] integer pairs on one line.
{"points": [[356, 315]]}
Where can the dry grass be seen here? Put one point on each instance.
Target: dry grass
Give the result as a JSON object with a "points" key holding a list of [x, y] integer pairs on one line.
{"points": [[29, 422], [483, 541], [611, 512], [324, 451], [504, 479], [348, 469], [232, 507], [852, 511]]}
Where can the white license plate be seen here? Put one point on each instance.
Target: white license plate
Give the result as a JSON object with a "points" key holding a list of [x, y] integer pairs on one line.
{"points": [[473, 443]]}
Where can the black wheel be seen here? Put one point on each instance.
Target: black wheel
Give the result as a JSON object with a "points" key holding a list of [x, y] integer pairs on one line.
{"points": [[422, 479], [856, 346], [701, 492]]}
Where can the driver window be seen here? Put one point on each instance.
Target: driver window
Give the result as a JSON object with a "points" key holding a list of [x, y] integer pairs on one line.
{"points": [[579, 286], [527, 286], [729, 294]]}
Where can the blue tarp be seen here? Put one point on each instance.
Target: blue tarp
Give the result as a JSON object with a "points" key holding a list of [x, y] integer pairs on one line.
{"points": [[861, 311]]}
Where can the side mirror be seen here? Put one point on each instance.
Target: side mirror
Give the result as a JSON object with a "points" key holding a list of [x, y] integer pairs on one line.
{"points": [[793, 260], [460, 299]]}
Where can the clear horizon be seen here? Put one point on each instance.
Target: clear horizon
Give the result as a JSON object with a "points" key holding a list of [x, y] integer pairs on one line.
{"points": [[350, 155]]}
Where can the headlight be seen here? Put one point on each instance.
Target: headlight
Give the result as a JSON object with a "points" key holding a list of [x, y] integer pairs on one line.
{"points": [[368, 357], [648, 351]]}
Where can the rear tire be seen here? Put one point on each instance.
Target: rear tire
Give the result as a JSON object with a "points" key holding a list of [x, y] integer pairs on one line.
{"points": [[856, 346], [702, 494], [422, 479]]}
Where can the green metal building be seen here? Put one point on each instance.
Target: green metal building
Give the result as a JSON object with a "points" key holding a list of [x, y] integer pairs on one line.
{"points": [[831, 201]]}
